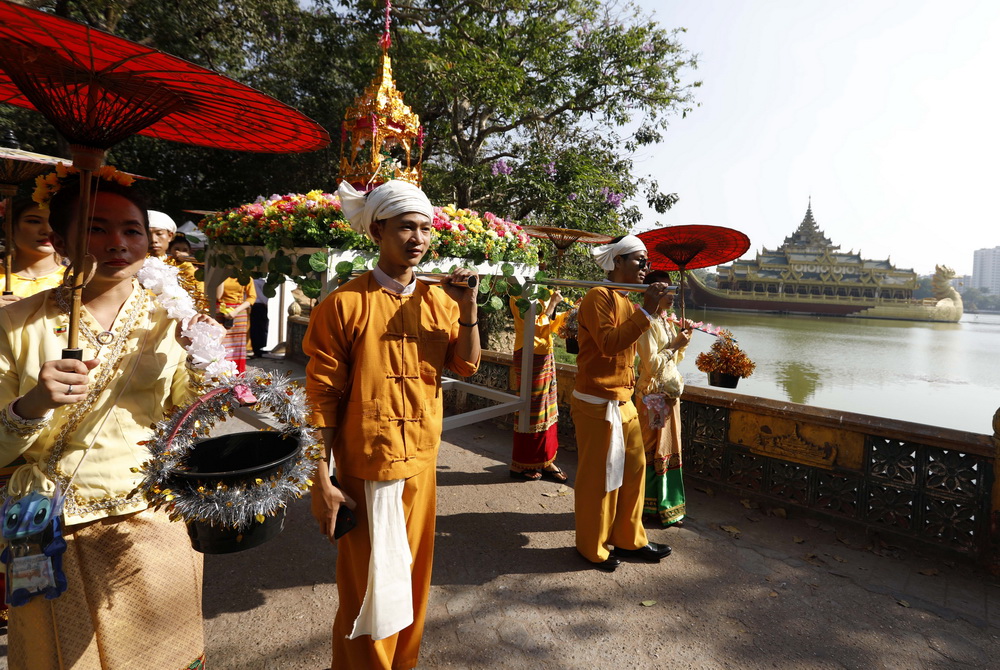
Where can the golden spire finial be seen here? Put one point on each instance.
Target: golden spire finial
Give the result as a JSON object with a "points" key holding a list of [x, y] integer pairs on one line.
{"points": [[380, 132]]}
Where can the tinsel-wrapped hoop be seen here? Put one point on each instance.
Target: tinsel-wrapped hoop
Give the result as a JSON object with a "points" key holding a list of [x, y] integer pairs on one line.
{"points": [[229, 506]]}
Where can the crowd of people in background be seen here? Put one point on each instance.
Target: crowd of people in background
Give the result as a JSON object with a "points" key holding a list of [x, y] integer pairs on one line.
{"points": [[377, 348]]}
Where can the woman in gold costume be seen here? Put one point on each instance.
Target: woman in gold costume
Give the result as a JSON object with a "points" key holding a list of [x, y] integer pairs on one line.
{"points": [[35, 265]]}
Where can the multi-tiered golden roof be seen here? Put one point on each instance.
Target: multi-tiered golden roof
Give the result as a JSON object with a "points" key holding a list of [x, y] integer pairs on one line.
{"points": [[381, 137]]}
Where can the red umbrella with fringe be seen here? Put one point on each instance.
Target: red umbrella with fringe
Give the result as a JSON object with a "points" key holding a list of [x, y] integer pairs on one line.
{"points": [[691, 247], [98, 89]]}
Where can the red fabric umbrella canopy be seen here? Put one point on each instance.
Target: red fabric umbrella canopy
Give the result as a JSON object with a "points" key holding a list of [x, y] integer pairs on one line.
{"points": [[98, 89], [693, 246]]}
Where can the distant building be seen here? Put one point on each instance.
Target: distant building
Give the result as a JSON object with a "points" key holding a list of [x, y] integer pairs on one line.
{"points": [[986, 270], [809, 264], [808, 274]]}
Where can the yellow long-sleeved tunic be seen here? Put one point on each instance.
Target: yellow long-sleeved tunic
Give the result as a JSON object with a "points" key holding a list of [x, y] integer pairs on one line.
{"points": [[149, 377]]}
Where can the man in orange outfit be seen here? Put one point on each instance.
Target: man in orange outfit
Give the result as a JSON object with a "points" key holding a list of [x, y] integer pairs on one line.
{"points": [[377, 348], [610, 478]]}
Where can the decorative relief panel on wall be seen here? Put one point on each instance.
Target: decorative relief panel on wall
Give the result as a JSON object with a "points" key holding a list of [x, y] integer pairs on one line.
{"points": [[935, 495], [794, 441]]}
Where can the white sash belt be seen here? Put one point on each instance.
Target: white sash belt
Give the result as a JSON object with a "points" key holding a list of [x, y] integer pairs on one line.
{"points": [[388, 605], [615, 471]]}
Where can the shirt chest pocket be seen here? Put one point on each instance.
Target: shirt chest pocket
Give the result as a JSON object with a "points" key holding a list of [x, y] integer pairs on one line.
{"points": [[433, 351]]}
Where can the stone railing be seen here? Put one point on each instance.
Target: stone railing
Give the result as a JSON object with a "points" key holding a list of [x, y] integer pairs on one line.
{"points": [[904, 481]]}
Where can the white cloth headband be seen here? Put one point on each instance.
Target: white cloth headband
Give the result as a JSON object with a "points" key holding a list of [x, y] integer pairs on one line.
{"points": [[606, 253], [161, 221], [386, 201]]}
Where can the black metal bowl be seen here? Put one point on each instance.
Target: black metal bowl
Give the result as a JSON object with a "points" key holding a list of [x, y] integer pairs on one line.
{"points": [[234, 460]]}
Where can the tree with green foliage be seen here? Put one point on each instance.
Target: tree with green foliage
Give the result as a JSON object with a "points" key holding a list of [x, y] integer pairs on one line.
{"points": [[523, 101], [980, 299], [532, 108]]}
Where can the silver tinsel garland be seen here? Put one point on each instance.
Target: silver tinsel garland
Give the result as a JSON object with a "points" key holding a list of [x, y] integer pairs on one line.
{"points": [[229, 506]]}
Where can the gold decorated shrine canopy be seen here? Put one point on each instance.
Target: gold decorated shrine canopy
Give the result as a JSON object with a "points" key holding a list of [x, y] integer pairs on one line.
{"points": [[381, 137]]}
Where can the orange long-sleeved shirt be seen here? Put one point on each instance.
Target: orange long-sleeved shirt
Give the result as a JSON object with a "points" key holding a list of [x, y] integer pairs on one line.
{"points": [[609, 327], [374, 374]]}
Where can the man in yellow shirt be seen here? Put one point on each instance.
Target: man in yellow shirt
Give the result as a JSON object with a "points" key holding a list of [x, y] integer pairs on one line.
{"points": [[378, 347], [610, 476]]}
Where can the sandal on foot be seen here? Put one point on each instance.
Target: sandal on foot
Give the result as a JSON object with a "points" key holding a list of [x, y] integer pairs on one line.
{"points": [[525, 475], [557, 475]]}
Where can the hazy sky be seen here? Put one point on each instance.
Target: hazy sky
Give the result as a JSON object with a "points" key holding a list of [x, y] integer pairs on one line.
{"points": [[884, 111]]}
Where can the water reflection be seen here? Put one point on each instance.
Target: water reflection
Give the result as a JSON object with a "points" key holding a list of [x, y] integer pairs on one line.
{"points": [[941, 374], [800, 380]]}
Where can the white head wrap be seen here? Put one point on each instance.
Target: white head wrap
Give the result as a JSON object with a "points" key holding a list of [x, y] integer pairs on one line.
{"points": [[606, 253], [161, 221], [390, 199]]}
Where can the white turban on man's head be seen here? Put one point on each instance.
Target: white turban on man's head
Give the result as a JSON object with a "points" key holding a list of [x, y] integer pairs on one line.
{"points": [[606, 253], [161, 221], [386, 201]]}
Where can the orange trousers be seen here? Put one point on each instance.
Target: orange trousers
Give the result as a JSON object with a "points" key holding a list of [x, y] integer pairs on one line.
{"points": [[399, 651], [612, 518]]}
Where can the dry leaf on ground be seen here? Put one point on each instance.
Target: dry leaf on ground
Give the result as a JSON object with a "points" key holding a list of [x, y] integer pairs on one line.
{"points": [[732, 530]]}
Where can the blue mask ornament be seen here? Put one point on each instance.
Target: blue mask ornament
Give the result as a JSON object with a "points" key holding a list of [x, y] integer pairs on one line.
{"points": [[32, 530]]}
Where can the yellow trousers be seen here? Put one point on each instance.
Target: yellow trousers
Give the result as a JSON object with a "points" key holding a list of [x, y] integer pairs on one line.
{"points": [[611, 518], [399, 651]]}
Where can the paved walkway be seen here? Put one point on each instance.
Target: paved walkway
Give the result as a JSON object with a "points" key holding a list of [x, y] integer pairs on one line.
{"points": [[745, 588]]}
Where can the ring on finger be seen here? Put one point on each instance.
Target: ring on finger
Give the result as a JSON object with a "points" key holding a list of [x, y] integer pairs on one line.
{"points": [[69, 390]]}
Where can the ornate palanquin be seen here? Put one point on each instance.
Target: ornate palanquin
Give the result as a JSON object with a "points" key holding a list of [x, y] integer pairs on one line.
{"points": [[381, 137]]}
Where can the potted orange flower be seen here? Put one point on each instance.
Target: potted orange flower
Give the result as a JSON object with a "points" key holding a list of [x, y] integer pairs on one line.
{"points": [[725, 362]]}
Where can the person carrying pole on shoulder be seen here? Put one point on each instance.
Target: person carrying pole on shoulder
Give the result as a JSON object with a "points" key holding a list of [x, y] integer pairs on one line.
{"points": [[611, 466], [378, 346]]}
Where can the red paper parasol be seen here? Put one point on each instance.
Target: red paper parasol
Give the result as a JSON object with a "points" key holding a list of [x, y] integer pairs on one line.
{"points": [[16, 166], [98, 89], [691, 247], [563, 238]]}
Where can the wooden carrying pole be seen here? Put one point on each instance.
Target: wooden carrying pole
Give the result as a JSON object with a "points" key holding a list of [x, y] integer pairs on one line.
{"points": [[434, 277]]}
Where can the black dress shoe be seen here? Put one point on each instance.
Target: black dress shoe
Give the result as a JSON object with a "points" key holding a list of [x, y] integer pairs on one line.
{"points": [[609, 565], [652, 552]]}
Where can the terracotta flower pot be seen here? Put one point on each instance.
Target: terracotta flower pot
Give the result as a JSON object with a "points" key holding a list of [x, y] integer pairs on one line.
{"points": [[723, 380]]}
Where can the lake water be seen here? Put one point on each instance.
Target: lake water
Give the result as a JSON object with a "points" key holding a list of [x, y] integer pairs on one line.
{"points": [[941, 374]]}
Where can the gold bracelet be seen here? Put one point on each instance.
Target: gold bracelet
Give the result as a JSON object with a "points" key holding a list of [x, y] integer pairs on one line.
{"points": [[20, 426]]}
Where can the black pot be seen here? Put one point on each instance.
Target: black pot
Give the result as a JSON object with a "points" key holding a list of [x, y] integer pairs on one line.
{"points": [[722, 380], [239, 458], [572, 345]]}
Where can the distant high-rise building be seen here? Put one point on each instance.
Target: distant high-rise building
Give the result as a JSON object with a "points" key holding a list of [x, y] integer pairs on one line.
{"points": [[986, 270]]}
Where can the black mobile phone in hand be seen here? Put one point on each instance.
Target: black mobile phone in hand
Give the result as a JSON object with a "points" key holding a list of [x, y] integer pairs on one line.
{"points": [[345, 516]]}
